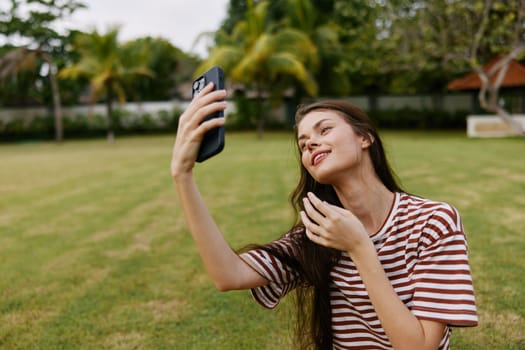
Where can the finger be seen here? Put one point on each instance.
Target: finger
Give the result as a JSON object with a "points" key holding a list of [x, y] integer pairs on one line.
{"points": [[196, 101], [207, 95], [210, 124], [323, 207], [203, 99], [205, 90], [310, 226], [196, 116], [312, 211], [319, 205], [311, 230], [193, 132], [207, 110]]}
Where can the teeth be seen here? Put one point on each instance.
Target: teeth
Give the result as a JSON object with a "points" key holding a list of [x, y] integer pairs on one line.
{"points": [[319, 157]]}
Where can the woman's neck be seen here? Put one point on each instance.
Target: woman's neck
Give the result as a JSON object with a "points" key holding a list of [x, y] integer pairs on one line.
{"points": [[368, 199]]}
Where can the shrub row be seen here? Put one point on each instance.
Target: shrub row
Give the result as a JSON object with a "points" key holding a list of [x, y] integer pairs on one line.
{"points": [[401, 118], [408, 118], [83, 126], [405, 118], [126, 123]]}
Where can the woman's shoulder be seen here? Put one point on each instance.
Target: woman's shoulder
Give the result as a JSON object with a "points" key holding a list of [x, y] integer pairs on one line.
{"points": [[415, 202], [436, 212]]}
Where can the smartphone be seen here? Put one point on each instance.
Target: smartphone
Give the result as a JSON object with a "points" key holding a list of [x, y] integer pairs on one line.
{"points": [[213, 141]]}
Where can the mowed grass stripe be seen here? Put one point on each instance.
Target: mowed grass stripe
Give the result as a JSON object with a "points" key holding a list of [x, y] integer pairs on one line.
{"points": [[65, 186], [60, 228]]}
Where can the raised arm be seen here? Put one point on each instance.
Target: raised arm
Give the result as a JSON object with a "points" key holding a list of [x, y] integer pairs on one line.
{"points": [[227, 270]]}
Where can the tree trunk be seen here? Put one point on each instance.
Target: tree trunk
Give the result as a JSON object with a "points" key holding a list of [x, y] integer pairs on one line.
{"points": [[109, 109], [260, 113], [489, 93], [55, 91]]}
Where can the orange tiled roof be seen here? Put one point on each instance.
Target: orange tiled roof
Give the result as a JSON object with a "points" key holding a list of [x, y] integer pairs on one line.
{"points": [[514, 77]]}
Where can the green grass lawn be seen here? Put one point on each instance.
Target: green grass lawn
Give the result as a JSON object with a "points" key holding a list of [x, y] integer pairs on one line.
{"points": [[94, 253]]}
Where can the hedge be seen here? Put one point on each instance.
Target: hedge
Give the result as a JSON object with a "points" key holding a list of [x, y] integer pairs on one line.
{"points": [[127, 123], [82, 126]]}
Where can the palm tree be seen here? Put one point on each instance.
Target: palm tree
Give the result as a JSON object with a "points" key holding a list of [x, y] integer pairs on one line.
{"points": [[320, 27], [108, 66], [23, 58], [265, 57]]}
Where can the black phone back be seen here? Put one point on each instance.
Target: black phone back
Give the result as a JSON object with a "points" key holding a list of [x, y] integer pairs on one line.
{"points": [[213, 141]]}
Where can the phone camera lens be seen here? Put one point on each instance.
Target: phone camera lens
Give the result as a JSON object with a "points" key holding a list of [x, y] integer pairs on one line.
{"points": [[196, 85]]}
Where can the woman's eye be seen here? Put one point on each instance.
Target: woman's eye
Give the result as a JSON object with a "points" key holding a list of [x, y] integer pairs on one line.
{"points": [[325, 130]]}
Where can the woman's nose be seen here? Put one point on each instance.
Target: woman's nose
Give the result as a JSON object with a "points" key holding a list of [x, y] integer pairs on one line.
{"points": [[312, 143]]}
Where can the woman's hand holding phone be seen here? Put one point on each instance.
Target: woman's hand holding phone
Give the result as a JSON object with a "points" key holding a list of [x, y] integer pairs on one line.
{"points": [[192, 128]]}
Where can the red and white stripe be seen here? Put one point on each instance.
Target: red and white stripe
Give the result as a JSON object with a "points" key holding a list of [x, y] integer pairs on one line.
{"points": [[423, 250]]}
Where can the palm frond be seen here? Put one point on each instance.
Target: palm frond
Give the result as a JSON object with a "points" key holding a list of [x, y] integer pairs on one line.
{"points": [[225, 56], [17, 60], [121, 95], [286, 64], [326, 37], [296, 42]]}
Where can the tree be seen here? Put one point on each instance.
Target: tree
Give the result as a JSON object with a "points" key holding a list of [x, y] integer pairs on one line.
{"points": [[459, 35], [18, 78], [168, 65], [365, 61], [236, 12], [331, 25], [108, 66], [264, 57], [507, 36], [40, 40], [316, 22]]}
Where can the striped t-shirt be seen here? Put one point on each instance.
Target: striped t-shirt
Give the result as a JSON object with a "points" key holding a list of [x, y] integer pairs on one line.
{"points": [[423, 250]]}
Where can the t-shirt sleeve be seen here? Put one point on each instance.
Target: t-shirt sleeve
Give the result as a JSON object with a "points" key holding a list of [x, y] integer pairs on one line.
{"points": [[282, 278], [443, 283]]}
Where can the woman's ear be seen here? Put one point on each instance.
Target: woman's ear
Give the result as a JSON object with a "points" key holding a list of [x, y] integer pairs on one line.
{"points": [[366, 141]]}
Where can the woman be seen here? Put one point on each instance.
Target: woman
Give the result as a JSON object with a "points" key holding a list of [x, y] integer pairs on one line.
{"points": [[373, 267]]}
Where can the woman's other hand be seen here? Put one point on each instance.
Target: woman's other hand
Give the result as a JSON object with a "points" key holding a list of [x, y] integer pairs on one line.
{"points": [[331, 226]]}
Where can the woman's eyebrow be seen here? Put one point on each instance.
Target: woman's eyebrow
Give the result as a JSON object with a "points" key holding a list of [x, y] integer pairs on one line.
{"points": [[316, 125]]}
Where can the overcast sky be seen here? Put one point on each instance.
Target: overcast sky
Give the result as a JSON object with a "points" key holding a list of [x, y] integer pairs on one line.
{"points": [[179, 21]]}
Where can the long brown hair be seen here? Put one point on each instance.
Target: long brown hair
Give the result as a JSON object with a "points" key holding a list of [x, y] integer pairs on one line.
{"points": [[312, 261]]}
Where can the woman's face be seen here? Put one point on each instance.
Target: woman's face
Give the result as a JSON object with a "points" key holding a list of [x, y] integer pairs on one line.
{"points": [[329, 146]]}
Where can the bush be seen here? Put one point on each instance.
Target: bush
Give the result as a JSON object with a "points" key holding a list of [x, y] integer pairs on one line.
{"points": [[243, 118], [407, 118], [245, 115], [16, 129], [83, 126]]}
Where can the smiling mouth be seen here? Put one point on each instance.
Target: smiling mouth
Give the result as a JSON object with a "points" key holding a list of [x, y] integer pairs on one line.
{"points": [[319, 157]]}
